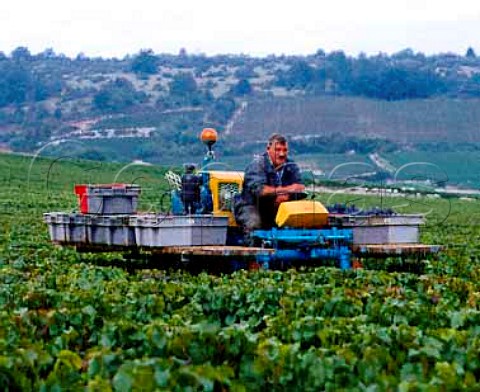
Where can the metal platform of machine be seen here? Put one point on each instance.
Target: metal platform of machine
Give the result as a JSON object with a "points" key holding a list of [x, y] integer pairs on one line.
{"points": [[388, 250], [224, 251], [392, 250], [212, 250]]}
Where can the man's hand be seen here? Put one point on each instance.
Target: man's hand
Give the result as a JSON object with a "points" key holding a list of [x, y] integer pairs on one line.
{"points": [[271, 190], [294, 188], [281, 197]]}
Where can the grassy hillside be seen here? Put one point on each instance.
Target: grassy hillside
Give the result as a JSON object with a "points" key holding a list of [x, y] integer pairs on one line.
{"points": [[450, 168], [404, 122], [459, 168], [33, 185]]}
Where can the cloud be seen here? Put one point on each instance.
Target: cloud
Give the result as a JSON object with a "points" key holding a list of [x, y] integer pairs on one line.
{"points": [[116, 28]]}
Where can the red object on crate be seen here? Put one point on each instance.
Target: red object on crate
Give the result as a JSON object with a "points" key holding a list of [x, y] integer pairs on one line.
{"points": [[81, 191], [85, 192]]}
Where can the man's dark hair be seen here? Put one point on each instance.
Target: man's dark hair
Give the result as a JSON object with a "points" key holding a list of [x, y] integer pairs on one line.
{"points": [[276, 138]]}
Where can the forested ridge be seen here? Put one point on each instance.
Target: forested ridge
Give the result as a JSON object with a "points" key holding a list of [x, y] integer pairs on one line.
{"points": [[48, 96]]}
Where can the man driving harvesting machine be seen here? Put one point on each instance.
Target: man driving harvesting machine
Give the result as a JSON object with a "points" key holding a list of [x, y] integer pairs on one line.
{"points": [[270, 179]]}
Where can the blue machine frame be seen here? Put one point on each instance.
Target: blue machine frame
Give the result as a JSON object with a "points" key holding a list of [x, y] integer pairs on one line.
{"points": [[305, 245]]}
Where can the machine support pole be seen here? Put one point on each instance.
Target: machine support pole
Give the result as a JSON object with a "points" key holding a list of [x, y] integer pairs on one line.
{"points": [[263, 260], [345, 258]]}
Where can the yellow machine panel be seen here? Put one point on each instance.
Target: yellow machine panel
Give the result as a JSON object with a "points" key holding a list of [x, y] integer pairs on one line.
{"points": [[224, 185], [302, 214]]}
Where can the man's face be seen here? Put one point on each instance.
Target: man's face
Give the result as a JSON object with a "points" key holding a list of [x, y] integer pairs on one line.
{"points": [[278, 153]]}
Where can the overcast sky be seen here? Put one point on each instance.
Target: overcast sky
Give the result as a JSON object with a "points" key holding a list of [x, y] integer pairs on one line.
{"points": [[114, 28]]}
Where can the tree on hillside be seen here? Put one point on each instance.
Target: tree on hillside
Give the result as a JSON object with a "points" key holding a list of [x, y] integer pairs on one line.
{"points": [[298, 76], [183, 84], [338, 69], [117, 95], [145, 63], [242, 88], [394, 82], [365, 75], [222, 110], [15, 84], [245, 72], [407, 53], [470, 53], [21, 53], [81, 56], [48, 53]]}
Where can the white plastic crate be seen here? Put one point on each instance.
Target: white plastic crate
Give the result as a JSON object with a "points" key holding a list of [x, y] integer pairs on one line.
{"points": [[379, 235], [156, 230], [76, 228], [109, 230], [394, 229], [66, 228]]}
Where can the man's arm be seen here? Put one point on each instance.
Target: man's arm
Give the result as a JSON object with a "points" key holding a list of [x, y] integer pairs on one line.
{"points": [[255, 177], [294, 178], [275, 190]]}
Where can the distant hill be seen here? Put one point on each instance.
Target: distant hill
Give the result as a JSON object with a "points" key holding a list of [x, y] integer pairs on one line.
{"points": [[152, 106]]}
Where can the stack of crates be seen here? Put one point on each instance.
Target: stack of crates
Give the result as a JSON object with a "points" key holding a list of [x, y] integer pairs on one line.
{"points": [[103, 217], [108, 217], [108, 207]]}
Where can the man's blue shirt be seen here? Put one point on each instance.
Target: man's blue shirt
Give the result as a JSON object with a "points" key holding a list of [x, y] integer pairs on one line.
{"points": [[260, 172]]}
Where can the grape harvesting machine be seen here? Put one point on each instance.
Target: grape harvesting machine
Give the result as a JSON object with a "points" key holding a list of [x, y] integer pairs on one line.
{"points": [[306, 231]]}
